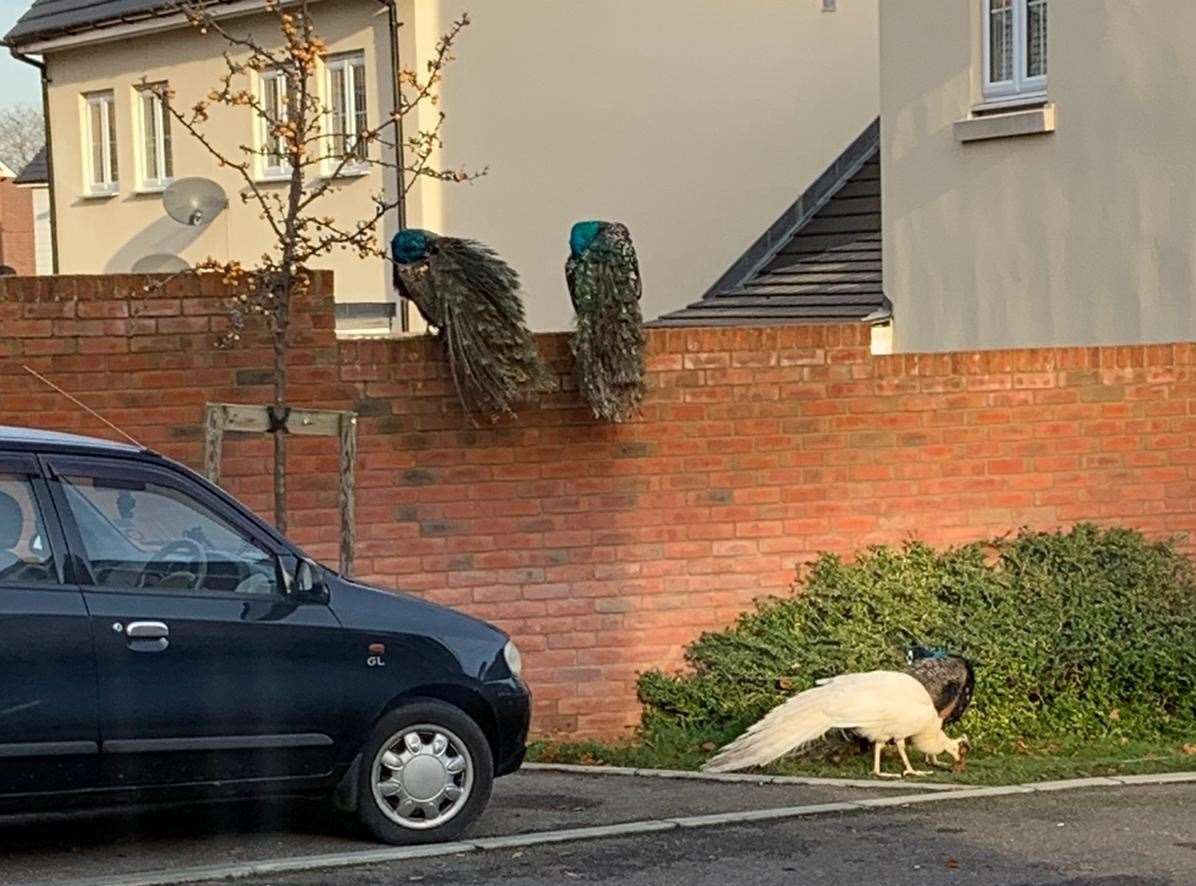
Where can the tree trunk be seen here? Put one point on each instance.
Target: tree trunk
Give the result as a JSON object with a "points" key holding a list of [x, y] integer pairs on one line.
{"points": [[280, 481], [281, 318]]}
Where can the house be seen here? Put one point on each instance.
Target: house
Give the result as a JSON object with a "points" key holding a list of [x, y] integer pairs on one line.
{"points": [[35, 178], [16, 226], [1039, 185], [697, 126]]}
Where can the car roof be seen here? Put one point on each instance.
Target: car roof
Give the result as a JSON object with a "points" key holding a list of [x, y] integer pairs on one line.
{"points": [[34, 438]]}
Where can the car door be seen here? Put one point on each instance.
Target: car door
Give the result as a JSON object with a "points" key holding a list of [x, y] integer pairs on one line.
{"points": [[208, 670], [49, 731]]}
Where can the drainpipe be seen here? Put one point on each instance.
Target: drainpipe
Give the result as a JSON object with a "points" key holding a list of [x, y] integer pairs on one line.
{"points": [[45, 78], [392, 18]]}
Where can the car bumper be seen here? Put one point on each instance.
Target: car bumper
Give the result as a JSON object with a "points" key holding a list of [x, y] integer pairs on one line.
{"points": [[512, 702]]}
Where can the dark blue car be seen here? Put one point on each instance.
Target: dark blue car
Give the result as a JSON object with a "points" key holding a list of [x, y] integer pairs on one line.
{"points": [[159, 641]]}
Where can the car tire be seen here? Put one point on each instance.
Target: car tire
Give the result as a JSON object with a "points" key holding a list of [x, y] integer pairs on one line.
{"points": [[426, 774]]}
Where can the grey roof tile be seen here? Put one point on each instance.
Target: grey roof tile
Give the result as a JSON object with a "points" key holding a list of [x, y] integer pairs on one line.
{"points": [[54, 18], [36, 171], [821, 262]]}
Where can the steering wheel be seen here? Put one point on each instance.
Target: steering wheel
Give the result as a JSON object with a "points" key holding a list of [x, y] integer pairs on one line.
{"points": [[193, 553]]}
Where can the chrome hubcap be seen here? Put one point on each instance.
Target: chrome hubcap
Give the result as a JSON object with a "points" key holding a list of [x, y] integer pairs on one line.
{"points": [[422, 777]]}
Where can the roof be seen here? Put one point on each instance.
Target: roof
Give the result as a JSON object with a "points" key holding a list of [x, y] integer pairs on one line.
{"points": [[36, 171], [5, 172], [33, 437], [819, 263], [46, 19]]}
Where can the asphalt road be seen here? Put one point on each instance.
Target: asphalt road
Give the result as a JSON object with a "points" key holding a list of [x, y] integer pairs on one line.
{"points": [[85, 846], [1140, 836]]}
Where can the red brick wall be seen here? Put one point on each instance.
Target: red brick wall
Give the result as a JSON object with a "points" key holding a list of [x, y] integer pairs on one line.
{"points": [[17, 248], [604, 549]]}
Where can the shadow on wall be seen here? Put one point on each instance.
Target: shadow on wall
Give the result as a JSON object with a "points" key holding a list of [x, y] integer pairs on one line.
{"points": [[164, 236]]}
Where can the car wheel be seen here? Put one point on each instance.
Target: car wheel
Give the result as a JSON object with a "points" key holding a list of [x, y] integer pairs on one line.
{"points": [[426, 774]]}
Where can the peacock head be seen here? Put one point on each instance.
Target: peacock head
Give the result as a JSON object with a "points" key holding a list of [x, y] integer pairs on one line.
{"points": [[583, 234], [411, 245], [918, 653]]}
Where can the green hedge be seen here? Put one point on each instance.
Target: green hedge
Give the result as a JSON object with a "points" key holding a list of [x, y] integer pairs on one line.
{"points": [[1081, 634]]}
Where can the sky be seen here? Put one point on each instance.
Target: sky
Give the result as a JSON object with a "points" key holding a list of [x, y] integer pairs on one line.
{"points": [[19, 82]]}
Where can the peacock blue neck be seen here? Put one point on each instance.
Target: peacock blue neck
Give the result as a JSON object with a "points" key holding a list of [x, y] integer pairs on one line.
{"points": [[583, 234], [411, 245], [917, 653]]}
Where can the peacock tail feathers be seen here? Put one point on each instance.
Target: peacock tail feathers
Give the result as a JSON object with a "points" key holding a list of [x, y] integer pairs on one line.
{"points": [[471, 296], [608, 343]]}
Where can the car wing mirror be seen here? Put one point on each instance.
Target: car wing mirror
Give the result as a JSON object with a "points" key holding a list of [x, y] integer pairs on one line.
{"points": [[309, 584]]}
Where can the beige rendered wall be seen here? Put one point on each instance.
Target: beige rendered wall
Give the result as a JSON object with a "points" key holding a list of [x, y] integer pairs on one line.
{"points": [[695, 122], [109, 235], [1083, 236]]}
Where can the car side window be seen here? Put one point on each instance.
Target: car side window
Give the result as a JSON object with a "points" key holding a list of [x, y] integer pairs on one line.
{"points": [[143, 535], [25, 554]]}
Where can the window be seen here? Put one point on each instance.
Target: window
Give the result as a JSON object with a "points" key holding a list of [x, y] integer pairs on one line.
{"points": [[25, 556], [347, 108], [274, 162], [1015, 48], [103, 174], [143, 535], [157, 164]]}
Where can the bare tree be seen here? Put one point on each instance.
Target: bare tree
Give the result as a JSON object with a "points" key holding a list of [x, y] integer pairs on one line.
{"points": [[322, 152], [22, 135]]}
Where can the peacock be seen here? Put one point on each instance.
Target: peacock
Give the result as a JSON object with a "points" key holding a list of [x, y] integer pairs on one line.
{"points": [[603, 274], [950, 680], [881, 706], [471, 297]]}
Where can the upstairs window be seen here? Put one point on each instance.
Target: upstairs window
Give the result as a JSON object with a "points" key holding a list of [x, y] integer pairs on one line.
{"points": [[273, 149], [157, 164], [347, 108], [102, 172], [1015, 48]]}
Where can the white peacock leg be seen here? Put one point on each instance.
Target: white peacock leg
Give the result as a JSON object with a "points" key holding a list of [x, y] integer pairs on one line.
{"points": [[909, 769], [876, 749]]}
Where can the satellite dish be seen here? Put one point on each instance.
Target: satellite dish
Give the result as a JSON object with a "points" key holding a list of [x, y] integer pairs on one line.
{"points": [[160, 264], [194, 201]]}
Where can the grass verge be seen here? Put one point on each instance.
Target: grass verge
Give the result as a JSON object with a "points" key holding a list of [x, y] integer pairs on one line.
{"points": [[1018, 764]]}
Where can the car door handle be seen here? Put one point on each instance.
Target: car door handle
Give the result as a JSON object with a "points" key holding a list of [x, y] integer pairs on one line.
{"points": [[147, 630]]}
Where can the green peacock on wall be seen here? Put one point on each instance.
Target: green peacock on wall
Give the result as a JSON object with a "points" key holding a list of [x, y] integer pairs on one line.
{"points": [[608, 344], [471, 297]]}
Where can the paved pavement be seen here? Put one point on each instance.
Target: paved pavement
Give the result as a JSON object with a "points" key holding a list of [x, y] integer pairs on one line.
{"points": [[89, 846], [1107, 836]]}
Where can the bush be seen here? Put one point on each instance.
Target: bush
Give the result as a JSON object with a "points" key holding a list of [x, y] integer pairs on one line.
{"points": [[1080, 634]]}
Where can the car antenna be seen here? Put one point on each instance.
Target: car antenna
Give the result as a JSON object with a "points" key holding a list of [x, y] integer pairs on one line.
{"points": [[81, 405]]}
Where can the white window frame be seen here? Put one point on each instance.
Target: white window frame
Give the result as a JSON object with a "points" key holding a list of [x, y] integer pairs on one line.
{"points": [[163, 149], [1021, 85], [267, 170], [107, 183], [348, 63]]}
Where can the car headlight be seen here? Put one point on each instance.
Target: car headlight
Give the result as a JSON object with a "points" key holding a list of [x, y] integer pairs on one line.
{"points": [[514, 660]]}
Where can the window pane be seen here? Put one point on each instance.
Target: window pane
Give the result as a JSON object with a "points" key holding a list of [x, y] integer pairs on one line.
{"points": [[272, 101], [146, 536], [149, 126], [113, 169], [1036, 38], [25, 556], [359, 108], [96, 112], [340, 119], [1000, 41], [167, 149]]}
